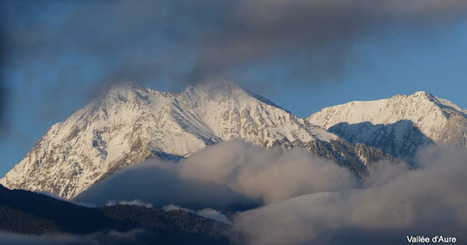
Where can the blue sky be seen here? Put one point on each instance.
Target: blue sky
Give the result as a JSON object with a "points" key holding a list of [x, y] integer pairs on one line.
{"points": [[57, 56]]}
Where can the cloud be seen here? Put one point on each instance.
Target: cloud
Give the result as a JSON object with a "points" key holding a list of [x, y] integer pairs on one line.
{"points": [[171, 207], [158, 183], [315, 37], [208, 213], [271, 175], [69, 51], [153, 40], [3, 105], [292, 197], [135, 202], [227, 175], [428, 201]]}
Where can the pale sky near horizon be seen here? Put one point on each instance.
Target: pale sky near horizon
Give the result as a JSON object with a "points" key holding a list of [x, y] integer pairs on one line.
{"points": [[56, 55]]}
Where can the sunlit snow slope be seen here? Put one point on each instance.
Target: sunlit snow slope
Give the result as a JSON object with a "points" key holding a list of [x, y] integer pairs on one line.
{"points": [[399, 125], [132, 123]]}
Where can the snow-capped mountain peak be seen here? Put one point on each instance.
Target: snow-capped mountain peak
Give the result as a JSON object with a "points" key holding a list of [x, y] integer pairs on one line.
{"points": [[398, 125], [223, 90], [131, 123]]}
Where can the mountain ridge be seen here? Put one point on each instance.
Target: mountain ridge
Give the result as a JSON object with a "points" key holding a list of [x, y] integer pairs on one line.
{"points": [[399, 125], [132, 123], [30, 213]]}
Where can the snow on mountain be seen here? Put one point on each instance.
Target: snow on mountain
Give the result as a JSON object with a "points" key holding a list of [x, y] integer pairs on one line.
{"points": [[399, 125], [132, 123]]}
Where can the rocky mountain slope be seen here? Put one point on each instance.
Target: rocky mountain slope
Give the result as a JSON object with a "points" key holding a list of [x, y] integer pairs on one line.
{"points": [[132, 123], [399, 125]]}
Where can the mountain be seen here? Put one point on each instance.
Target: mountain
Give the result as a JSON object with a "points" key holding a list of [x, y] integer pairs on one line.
{"points": [[131, 124], [399, 125], [30, 213]]}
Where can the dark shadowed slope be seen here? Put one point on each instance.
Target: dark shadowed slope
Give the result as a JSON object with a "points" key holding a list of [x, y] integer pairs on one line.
{"points": [[35, 214]]}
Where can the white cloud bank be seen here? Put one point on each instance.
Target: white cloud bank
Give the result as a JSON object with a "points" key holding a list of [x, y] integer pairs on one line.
{"points": [[307, 200], [226, 174], [395, 203]]}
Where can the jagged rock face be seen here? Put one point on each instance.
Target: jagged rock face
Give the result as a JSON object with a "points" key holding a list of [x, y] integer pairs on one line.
{"points": [[400, 125], [132, 123], [355, 157]]}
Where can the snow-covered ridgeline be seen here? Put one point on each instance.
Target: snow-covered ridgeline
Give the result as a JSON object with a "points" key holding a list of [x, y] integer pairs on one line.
{"points": [[132, 123], [399, 125]]}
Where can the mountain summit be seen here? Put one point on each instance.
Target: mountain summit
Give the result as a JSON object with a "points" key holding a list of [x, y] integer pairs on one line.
{"points": [[399, 125], [131, 124]]}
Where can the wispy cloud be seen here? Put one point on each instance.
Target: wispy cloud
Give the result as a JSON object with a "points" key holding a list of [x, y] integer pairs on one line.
{"points": [[184, 40], [135, 202], [208, 213]]}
